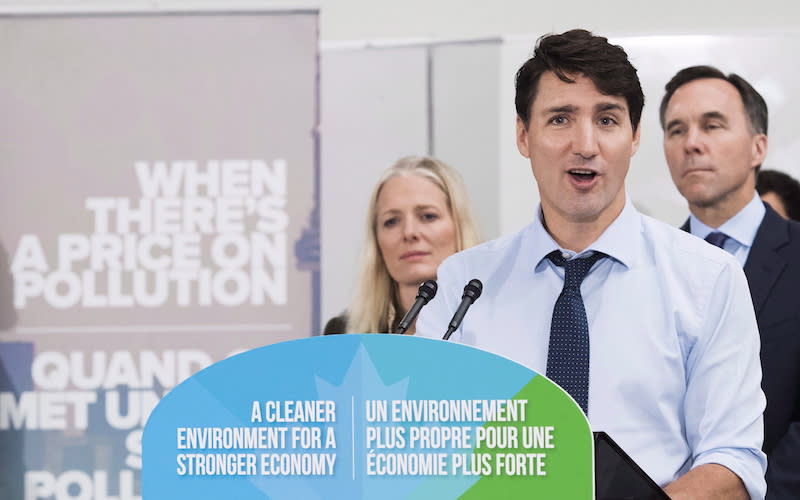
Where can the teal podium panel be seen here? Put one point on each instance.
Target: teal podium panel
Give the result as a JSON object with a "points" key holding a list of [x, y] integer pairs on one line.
{"points": [[366, 417]]}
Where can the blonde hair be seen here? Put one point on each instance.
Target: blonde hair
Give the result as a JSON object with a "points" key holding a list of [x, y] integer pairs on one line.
{"points": [[375, 303]]}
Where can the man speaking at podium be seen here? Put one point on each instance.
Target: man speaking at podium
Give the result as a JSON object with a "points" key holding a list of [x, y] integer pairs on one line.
{"points": [[650, 330]]}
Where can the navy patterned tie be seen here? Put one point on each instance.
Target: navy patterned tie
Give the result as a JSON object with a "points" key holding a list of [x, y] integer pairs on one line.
{"points": [[717, 239], [568, 352]]}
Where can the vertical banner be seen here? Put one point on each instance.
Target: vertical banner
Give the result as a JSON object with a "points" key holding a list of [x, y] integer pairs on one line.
{"points": [[160, 211]]}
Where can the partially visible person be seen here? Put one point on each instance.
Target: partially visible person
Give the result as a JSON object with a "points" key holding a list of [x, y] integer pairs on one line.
{"points": [[649, 329], [781, 191], [418, 214], [715, 140]]}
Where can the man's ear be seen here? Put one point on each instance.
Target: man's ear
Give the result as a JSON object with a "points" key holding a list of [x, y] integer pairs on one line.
{"points": [[637, 135], [759, 151], [522, 138]]}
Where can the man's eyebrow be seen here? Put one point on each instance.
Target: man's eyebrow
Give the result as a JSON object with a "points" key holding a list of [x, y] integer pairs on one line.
{"points": [[715, 115], [567, 108], [608, 106], [708, 115], [673, 123]]}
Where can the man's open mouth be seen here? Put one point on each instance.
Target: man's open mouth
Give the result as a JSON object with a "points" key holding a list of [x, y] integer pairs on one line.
{"points": [[582, 174]]}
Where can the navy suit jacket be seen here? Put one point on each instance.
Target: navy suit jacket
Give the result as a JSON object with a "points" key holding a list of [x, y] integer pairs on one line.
{"points": [[773, 273]]}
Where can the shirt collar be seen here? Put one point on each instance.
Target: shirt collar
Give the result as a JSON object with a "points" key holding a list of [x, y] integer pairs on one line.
{"points": [[742, 227], [619, 241]]}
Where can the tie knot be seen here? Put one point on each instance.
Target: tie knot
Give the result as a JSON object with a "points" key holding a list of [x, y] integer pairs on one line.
{"points": [[717, 238], [575, 270]]}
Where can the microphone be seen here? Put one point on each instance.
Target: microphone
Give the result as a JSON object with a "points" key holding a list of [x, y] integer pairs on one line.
{"points": [[471, 293], [426, 292]]}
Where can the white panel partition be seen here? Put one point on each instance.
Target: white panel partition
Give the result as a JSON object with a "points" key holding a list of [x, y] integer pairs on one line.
{"points": [[465, 92], [374, 111]]}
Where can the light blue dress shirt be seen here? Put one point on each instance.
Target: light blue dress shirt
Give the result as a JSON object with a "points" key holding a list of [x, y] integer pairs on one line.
{"points": [[741, 229], [675, 376]]}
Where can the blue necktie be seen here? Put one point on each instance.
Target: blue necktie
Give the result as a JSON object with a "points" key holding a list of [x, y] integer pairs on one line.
{"points": [[568, 352], [717, 238]]}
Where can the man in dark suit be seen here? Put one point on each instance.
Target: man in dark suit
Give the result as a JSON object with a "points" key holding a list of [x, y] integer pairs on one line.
{"points": [[715, 139]]}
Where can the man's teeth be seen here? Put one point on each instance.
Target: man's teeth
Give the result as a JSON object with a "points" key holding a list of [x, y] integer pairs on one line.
{"points": [[583, 172]]}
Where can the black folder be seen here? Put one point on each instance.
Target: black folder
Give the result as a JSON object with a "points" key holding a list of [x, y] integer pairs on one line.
{"points": [[616, 475]]}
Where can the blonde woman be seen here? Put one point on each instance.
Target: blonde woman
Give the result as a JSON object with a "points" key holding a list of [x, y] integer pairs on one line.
{"points": [[418, 215]]}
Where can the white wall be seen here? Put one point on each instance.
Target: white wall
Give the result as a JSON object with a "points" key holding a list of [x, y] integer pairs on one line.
{"points": [[441, 19], [349, 19]]}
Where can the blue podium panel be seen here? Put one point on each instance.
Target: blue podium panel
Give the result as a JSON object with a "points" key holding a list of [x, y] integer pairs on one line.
{"points": [[366, 416]]}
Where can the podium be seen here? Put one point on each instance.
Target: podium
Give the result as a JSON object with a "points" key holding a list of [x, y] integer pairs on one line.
{"points": [[365, 417]]}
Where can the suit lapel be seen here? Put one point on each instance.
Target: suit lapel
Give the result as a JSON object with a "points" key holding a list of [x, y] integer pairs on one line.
{"points": [[764, 264]]}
